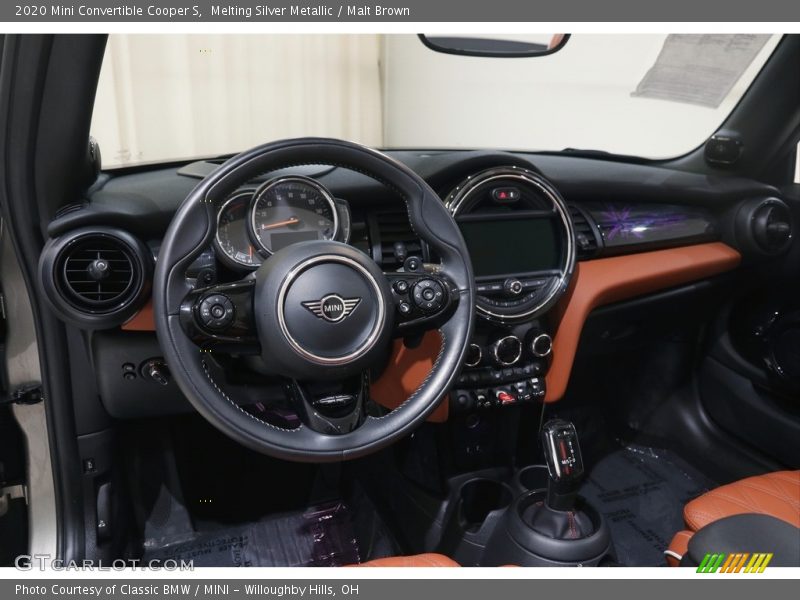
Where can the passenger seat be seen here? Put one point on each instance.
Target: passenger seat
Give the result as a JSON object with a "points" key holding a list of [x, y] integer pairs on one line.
{"points": [[774, 494]]}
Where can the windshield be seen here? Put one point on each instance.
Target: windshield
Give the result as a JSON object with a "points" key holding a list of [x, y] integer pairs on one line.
{"points": [[174, 97]]}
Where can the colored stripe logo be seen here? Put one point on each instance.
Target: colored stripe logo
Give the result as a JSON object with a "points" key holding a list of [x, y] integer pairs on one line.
{"points": [[738, 562]]}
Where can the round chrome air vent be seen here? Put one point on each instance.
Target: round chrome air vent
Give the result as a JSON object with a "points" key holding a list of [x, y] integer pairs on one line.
{"points": [[764, 226], [772, 226], [96, 277]]}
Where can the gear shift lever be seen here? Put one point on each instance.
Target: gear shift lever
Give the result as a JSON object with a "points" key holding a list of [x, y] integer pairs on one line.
{"points": [[564, 463], [557, 527], [558, 516]]}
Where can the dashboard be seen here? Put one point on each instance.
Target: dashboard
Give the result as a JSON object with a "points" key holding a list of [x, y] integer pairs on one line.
{"points": [[533, 225]]}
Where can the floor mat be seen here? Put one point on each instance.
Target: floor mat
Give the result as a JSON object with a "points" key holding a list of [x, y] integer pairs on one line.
{"points": [[319, 536], [328, 535], [641, 492]]}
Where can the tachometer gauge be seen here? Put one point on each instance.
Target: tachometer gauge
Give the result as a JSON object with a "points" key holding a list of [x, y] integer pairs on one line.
{"points": [[233, 236], [293, 209]]}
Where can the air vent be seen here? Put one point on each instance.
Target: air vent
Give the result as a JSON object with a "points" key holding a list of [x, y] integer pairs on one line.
{"points": [[391, 230], [585, 235], [772, 227], [96, 277], [764, 227], [98, 273]]}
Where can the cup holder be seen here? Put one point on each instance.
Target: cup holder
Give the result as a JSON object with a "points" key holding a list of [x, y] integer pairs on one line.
{"points": [[531, 478], [478, 499]]}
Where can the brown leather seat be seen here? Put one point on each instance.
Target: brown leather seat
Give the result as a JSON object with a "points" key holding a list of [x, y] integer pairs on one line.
{"points": [[420, 560], [775, 494]]}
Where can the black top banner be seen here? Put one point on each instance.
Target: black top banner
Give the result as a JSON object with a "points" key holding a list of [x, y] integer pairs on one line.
{"points": [[107, 11]]}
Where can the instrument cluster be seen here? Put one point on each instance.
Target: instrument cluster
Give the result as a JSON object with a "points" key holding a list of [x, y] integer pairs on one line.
{"points": [[254, 223]]}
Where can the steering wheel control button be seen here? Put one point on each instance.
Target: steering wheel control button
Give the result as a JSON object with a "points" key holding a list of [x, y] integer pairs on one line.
{"points": [[507, 351], [512, 287], [404, 308], [400, 286], [216, 312], [541, 345], [428, 295]]}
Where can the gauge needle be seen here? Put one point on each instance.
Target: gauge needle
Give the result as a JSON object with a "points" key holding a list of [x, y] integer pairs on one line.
{"points": [[291, 221]]}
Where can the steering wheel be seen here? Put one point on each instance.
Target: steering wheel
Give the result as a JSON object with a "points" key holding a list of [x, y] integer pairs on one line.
{"points": [[318, 317]]}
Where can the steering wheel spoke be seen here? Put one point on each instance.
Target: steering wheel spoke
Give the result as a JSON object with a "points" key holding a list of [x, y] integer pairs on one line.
{"points": [[422, 301], [332, 408], [220, 317]]}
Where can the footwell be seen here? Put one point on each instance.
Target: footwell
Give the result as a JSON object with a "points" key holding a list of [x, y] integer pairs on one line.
{"points": [[641, 492], [325, 536]]}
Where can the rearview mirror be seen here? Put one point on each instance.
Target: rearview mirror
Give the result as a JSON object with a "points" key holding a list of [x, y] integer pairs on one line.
{"points": [[496, 46]]}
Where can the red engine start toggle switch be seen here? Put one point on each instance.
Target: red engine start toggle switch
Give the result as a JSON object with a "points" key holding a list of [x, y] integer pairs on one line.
{"points": [[505, 397]]}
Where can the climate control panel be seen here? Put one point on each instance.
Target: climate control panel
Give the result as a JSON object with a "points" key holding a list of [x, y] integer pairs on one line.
{"points": [[503, 368]]}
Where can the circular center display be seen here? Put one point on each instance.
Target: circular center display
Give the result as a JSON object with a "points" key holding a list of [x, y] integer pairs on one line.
{"points": [[289, 210]]}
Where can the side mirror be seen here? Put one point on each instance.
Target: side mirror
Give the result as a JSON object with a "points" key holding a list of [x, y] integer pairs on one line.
{"points": [[497, 46]]}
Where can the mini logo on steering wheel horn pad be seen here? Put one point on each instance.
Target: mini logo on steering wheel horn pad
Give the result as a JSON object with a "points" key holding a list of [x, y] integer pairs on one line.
{"points": [[332, 307]]}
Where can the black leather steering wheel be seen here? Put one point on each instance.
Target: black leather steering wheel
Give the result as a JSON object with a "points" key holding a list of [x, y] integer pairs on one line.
{"points": [[276, 319]]}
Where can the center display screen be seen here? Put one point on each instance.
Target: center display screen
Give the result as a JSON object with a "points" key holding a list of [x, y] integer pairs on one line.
{"points": [[508, 246]]}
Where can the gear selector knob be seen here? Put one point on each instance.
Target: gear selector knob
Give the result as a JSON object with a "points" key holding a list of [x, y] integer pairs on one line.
{"points": [[562, 453]]}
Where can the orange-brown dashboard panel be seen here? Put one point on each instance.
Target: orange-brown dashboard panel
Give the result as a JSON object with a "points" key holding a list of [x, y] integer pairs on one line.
{"points": [[607, 280], [595, 283], [407, 369], [142, 320]]}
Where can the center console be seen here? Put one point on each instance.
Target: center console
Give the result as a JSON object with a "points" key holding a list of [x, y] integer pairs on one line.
{"points": [[532, 516], [522, 247], [552, 526]]}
